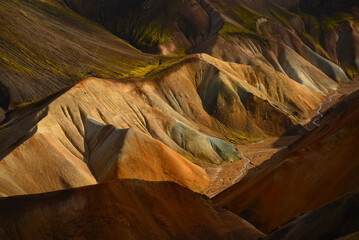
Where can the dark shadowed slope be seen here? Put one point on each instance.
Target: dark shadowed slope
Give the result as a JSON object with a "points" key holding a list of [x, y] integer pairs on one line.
{"points": [[323, 165], [125, 209], [337, 219], [151, 25], [353, 236]]}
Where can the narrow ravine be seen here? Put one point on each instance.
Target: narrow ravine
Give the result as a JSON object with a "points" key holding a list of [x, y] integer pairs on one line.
{"points": [[243, 169], [320, 115], [314, 122]]}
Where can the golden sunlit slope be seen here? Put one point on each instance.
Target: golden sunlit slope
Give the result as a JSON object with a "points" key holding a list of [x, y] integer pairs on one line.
{"points": [[103, 129], [94, 132], [80, 106]]}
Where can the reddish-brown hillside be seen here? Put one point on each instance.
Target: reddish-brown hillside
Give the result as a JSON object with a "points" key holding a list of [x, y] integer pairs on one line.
{"points": [[125, 209], [323, 166], [336, 220]]}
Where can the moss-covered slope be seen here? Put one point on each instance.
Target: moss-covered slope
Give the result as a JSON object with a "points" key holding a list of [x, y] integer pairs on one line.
{"points": [[150, 25], [44, 46]]}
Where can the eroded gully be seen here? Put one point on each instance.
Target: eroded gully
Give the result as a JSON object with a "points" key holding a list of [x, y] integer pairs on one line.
{"points": [[315, 122]]}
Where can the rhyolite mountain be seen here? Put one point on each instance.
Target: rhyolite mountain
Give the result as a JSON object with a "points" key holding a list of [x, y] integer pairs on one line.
{"points": [[293, 186], [158, 91], [248, 32]]}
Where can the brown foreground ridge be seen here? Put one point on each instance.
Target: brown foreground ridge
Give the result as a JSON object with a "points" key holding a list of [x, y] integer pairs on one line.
{"points": [[336, 220], [122, 209]]}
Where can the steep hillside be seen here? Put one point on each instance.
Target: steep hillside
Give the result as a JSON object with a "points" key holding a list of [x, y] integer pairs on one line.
{"points": [[86, 142], [44, 47], [100, 54], [150, 25], [323, 166], [290, 37], [334, 24], [114, 129], [263, 33], [126, 209], [107, 102], [266, 33], [336, 220]]}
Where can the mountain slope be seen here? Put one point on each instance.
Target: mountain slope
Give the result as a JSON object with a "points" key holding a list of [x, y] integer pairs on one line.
{"points": [[103, 55], [262, 32], [192, 108], [45, 47], [82, 149], [323, 166], [126, 209], [336, 219], [150, 25], [270, 34], [216, 88]]}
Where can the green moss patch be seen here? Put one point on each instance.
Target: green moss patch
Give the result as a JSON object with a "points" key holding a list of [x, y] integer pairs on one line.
{"points": [[283, 15], [147, 28], [243, 15], [351, 71], [228, 30], [238, 136], [247, 17], [333, 22], [169, 64], [315, 43]]}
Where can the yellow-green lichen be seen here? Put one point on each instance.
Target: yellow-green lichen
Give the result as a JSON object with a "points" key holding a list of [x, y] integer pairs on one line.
{"points": [[168, 64], [283, 15], [147, 28], [228, 30], [39, 55], [243, 15], [240, 136], [315, 43], [351, 71], [333, 22]]}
